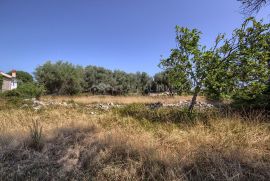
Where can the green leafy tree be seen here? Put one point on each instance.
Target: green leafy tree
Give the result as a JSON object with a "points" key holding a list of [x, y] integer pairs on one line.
{"points": [[251, 62], [190, 60], [161, 83], [23, 77], [145, 80], [60, 77], [117, 82], [121, 82], [239, 60]]}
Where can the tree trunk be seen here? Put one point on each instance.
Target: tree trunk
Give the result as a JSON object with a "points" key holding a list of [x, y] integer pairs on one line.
{"points": [[194, 99], [170, 90]]}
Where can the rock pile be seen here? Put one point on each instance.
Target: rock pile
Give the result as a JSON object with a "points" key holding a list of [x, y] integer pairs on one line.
{"points": [[104, 107], [37, 104], [181, 104], [155, 105]]}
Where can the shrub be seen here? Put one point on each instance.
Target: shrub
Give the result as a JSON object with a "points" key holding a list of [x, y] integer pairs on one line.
{"points": [[36, 141], [1, 82], [163, 114], [27, 90]]}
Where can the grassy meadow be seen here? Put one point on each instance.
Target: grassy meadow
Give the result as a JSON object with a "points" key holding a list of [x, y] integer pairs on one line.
{"points": [[131, 142]]}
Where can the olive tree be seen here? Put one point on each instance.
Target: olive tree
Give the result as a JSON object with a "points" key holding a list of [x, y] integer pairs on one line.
{"points": [[60, 77]]}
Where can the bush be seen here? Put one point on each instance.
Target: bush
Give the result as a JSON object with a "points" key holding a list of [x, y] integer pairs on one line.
{"points": [[257, 102], [163, 114], [36, 140], [1, 82], [27, 90], [23, 77]]}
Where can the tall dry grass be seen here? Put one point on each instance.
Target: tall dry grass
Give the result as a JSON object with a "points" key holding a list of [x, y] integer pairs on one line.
{"points": [[109, 146], [121, 99]]}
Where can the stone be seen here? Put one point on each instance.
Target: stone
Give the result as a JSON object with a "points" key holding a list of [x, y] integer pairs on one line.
{"points": [[156, 105], [24, 106], [111, 104]]}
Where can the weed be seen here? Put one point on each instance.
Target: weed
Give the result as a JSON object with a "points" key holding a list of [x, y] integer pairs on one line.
{"points": [[36, 137], [174, 115]]}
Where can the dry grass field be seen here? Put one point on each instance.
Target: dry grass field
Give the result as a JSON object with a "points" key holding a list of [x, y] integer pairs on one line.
{"points": [[70, 143], [122, 99]]}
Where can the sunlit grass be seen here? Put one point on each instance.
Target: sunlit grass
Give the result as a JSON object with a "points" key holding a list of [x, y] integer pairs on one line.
{"points": [[121, 99], [114, 146]]}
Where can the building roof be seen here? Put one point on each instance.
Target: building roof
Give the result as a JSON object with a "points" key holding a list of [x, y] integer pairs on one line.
{"points": [[5, 75]]}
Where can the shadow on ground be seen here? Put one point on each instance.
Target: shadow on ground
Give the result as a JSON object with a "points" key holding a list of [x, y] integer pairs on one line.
{"points": [[91, 154]]}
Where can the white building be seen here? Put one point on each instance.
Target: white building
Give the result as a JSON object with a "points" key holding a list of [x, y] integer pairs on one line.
{"points": [[9, 81]]}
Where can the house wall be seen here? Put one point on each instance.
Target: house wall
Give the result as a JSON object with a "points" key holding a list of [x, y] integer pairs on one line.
{"points": [[6, 84], [13, 84]]}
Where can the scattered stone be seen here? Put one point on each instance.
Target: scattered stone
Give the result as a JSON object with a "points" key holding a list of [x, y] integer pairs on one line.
{"points": [[37, 104], [24, 106], [181, 104], [155, 105], [37, 108], [104, 107], [111, 104]]}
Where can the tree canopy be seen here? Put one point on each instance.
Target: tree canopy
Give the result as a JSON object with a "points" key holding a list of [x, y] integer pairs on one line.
{"points": [[253, 6], [65, 78], [236, 65], [60, 77], [23, 77]]}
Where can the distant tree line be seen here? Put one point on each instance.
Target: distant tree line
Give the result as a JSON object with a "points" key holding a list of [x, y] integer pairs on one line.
{"points": [[63, 78]]}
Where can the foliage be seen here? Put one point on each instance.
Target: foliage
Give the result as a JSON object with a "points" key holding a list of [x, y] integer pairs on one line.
{"points": [[162, 83], [251, 63], [36, 139], [60, 77], [191, 62], [23, 77], [253, 6], [237, 65], [26, 90], [1, 82], [174, 115], [99, 80], [65, 78]]}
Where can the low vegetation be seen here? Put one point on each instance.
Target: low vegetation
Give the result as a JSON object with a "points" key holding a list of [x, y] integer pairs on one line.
{"points": [[131, 143], [26, 90], [120, 99]]}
